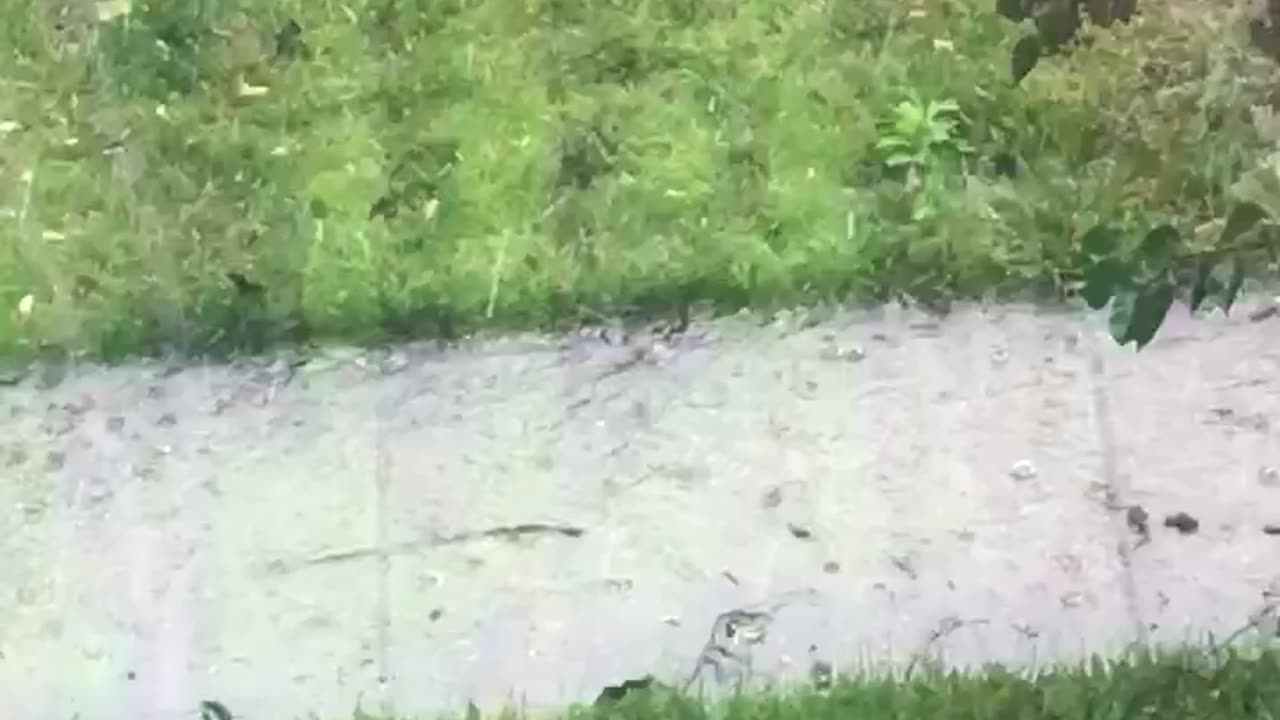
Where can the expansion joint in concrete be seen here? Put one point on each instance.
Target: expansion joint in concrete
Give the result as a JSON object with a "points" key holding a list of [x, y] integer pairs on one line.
{"points": [[1118, 490]]}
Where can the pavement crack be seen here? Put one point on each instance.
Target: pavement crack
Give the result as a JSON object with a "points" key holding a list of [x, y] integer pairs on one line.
{"points": [[1116, 488]]}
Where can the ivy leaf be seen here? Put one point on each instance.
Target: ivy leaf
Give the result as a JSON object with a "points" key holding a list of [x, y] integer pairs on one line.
{"points": [[1026, 53]]}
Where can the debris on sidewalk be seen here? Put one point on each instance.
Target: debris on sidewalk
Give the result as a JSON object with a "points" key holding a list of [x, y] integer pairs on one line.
{"points": [[614, 693], [801, 533], [1022, 470], [1182, 522], [1137, 519], [772, 498]]}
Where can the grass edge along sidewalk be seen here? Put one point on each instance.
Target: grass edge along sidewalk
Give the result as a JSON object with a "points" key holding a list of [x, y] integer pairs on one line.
{"points": [[1238, 683], [217, 177]]}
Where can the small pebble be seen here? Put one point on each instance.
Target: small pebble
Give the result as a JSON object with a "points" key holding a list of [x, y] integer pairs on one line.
{"points": [[831, 567], [1269, 477], [843, 354], [1272, 529], [1022, 470], [1072, 599]]}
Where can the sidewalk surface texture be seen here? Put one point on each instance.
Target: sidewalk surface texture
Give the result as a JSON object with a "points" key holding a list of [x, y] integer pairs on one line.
{"points": [[528, 520]]}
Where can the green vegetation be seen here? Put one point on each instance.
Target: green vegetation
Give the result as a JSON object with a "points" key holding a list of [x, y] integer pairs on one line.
{"points": [[1182, 686], [212, 176], [1189, 684], [1140, 285]]}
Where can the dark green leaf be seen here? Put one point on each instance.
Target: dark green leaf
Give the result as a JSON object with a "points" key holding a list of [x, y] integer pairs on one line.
{"points": [[1204, 285], [1149, 310], [1058, 23], [1099, 12], [1122, 315], [1123, 10], [1232, 291], [473, 712], [1098, 242], [1101, 279], [1026, 53], [1242, 219], [1157, 248], [1015, 10]]}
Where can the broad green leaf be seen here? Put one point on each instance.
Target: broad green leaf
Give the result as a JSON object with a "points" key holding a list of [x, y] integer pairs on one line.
{"points": [[1243, 217], [1059, 23], [1026, 53], [1122, 316], [1100, 12], [1157, 247], [1015, 10], [1098, 242], [1205, 284], [1149, 310], [1101, 279], [1261, 186]]}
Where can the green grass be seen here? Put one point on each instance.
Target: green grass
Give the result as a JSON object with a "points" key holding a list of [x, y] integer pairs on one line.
{"points": [[1169, 686], [434, 167]]}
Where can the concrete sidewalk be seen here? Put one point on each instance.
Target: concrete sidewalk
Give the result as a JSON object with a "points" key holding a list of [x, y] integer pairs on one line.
{"points": [[527, 521]]}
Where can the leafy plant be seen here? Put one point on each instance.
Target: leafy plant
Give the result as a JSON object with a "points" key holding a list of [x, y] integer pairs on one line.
{"points": [[1141, 285], [921, 139]]}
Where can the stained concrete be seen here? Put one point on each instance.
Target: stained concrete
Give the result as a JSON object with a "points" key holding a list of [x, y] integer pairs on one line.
{"points": [[524, 521]]}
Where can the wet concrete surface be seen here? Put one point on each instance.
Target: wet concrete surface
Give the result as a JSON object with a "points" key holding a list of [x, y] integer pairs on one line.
{"points": [[525, 521]]}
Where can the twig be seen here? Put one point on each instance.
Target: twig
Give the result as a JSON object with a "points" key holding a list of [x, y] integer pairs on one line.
{"points": [[740, 626], [505, 532], [1268, 608]]}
